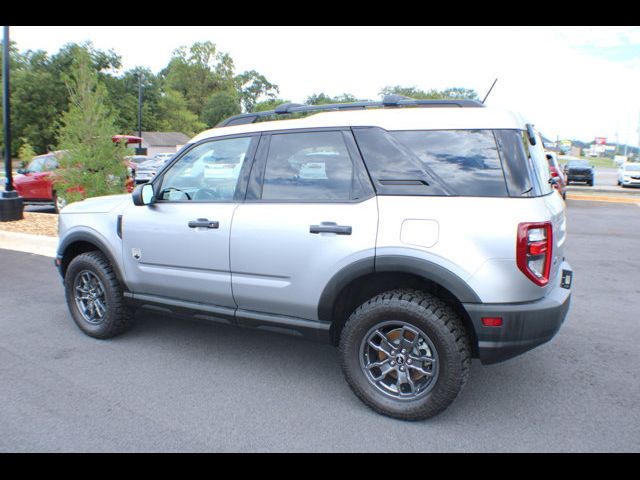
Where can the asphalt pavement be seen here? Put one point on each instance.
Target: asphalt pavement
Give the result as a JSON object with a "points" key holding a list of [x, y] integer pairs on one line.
{"points": [[176, 385]]}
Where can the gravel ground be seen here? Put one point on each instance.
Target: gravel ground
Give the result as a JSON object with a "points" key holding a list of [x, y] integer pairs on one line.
{"points": [[34, 223]]}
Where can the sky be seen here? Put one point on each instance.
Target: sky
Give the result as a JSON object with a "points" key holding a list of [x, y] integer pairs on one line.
{"points": [[571, 82]]}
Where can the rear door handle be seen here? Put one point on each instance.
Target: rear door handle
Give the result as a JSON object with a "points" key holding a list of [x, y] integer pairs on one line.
{"points": [[330, 227], [203, 223]]}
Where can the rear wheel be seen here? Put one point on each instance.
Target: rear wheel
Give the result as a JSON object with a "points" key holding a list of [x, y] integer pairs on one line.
{"points": [[94, 296], [405, 354]]}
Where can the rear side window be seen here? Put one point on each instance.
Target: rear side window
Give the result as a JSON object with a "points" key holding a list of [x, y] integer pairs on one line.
{"points": [[467, 161], [312, 167], [393, 167], [517, 168]]}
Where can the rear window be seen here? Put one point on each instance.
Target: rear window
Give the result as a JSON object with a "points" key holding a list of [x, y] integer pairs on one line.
{"points": [[480, 163], [467, 161]]}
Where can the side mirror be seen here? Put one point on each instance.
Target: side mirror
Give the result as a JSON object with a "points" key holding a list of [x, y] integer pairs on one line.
{"points": [[143, 195], [21, 171]]}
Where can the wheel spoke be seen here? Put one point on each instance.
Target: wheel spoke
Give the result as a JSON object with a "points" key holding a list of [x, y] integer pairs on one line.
{"points": [[100, 308], [413, 355], [90, 296], [404, 379], [384, 346], [384, 371]]}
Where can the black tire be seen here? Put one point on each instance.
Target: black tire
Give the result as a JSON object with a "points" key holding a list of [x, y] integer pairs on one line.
{"points": [[564, 195], [117, 317], [446, 334], [590, 183]]}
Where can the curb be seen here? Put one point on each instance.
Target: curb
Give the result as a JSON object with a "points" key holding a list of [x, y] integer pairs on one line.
{"points": [[24, 242]]}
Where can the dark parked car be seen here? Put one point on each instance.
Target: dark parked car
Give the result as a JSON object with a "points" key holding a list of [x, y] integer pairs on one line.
{"points": [[579, 171]]}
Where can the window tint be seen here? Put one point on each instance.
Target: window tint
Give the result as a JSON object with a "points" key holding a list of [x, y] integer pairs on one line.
{"points": [[309, 167], [539, 162], [466, 161], [394, 168], [511, 144], [207, 172]]}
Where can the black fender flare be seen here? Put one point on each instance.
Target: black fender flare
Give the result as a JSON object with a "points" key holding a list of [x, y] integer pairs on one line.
{"points": [[94, 239], [393, 263]]}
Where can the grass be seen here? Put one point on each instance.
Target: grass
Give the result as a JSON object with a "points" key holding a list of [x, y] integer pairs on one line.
{"points": [[595, 161]]}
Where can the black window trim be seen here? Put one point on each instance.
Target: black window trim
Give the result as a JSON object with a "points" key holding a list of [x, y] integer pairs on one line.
{"points": [[243, 177], [256, 177]]}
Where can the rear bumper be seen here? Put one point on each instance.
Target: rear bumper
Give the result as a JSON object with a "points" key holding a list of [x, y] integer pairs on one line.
{"points": [[525, 325]]}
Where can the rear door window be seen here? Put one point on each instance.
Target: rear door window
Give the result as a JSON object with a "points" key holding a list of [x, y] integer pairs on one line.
{"points": [[310, 167], [466, 161]]}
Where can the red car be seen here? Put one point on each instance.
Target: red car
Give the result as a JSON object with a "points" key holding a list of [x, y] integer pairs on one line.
{"points": [[558, 174], [35, 184]]}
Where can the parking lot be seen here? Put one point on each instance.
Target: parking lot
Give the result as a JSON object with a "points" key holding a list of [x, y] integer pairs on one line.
{"points": [[174, 385]]}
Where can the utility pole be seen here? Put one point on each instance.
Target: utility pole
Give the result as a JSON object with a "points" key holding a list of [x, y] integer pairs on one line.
{"points": [[11, 205]]}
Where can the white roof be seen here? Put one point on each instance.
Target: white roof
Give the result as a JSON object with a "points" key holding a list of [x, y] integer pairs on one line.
{"points": [[440, 118]]}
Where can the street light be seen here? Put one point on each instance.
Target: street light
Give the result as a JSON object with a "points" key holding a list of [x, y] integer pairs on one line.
{"points": [[140, 150], [11, 206]]}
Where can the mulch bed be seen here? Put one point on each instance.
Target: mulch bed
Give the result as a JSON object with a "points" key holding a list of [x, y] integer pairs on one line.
{"points": [[34, 223]]}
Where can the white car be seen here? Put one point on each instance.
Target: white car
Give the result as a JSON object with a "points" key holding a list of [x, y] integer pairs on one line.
{"points": [[629, 175], [164, 156]]}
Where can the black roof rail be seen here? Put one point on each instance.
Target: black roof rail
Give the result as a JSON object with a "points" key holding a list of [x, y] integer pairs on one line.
{"points": [[389, 101]]}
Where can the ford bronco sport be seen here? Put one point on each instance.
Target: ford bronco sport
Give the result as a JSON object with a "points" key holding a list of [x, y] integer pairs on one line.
{"points": [[413, 234]]}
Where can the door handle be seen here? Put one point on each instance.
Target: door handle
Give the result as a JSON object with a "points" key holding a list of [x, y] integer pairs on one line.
{"points": [[203, 223], [330, 227]]}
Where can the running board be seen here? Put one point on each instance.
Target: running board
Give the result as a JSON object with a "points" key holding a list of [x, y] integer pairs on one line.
{"points": [[312, 329]]}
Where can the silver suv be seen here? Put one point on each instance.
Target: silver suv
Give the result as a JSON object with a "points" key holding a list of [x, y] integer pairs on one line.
{"points": [[415, 235]]}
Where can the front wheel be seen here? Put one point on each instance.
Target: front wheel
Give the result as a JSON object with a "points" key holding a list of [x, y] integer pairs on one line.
{"points": [[405, 354], [95, 297]]}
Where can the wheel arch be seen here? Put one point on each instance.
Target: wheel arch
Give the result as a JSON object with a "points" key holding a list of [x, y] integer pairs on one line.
{"points": [[364, 279], [81, 242]]}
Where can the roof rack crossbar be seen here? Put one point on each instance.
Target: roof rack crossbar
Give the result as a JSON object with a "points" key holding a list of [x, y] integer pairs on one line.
{"points": [[389, 101]]}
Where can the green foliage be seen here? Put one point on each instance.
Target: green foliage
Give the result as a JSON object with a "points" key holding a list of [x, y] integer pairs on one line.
{"points": [[221, 105], [270, 104], [174, 115], [251, 87], [433, 94], [93, 165], [25, 153], [324, 99], [198, 72]]}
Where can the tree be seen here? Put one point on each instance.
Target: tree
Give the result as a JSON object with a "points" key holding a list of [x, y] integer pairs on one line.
{"points": [[270, 104], [123, 98], [198, 72], [221, 105], [26, 153], [454, 93], [174, 116], [251, 86], [324, 99], [93, 165]]}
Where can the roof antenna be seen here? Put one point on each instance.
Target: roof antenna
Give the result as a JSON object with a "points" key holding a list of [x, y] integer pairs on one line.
{"points": [[485, 97]]}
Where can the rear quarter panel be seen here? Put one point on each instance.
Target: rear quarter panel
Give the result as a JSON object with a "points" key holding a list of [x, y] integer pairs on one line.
{"points": [[475, 239]]}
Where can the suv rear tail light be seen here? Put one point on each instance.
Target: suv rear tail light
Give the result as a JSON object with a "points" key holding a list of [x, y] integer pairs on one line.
{"points": [[534, 250]]}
